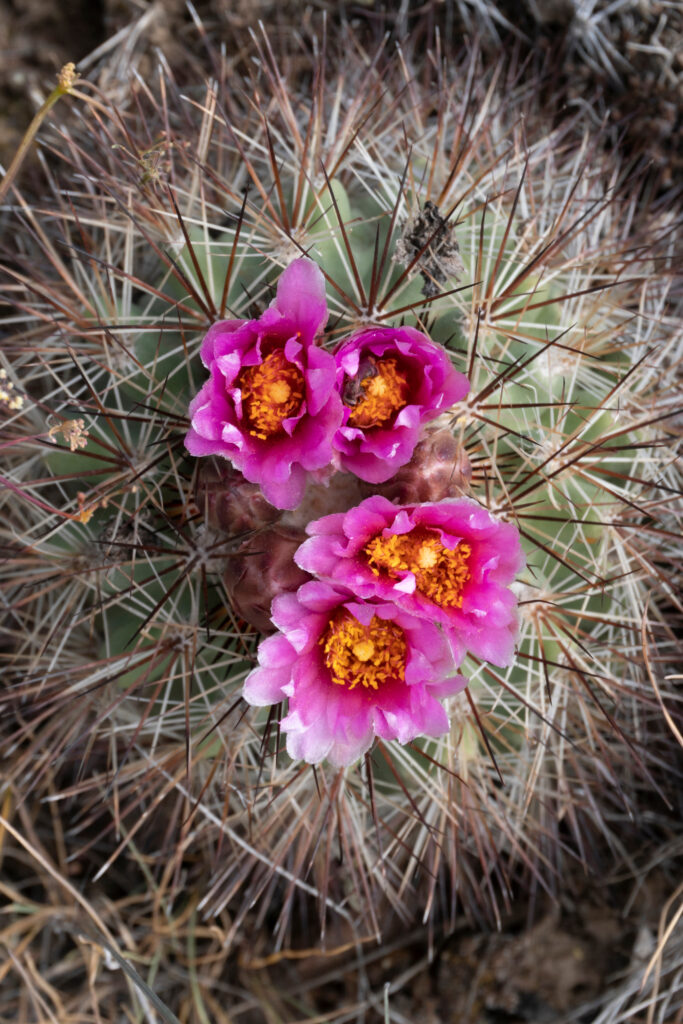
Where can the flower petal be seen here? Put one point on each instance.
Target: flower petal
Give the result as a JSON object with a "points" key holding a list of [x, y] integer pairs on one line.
{"points": [[264, 685], [375, 452], [301, 297]]}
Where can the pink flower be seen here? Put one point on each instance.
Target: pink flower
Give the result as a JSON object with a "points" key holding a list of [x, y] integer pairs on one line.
{"points": [[351, 670], [448, 561], [270, 405], [392, 380]]}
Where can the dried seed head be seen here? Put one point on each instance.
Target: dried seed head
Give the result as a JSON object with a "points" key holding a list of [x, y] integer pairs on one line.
{"points": [[8, 396], [430, 235], [67, 77], [119, 540], [73, 432]]}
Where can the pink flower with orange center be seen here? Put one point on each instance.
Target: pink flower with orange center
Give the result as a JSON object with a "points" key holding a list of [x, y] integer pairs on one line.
{"points": [[351, 671], [449, 561], [392, 380], [271, 405]]}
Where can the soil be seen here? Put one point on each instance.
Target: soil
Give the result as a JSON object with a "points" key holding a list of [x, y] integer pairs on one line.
{"points": [[565, 967]]}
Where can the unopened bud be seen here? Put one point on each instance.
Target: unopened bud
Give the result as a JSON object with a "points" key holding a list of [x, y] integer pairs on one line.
{"points": [[262, 568], [438, 469], [230, 503]]}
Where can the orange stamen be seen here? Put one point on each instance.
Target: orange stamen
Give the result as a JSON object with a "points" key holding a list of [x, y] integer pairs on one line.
{"points": [[271, 392], [384, 394], [363, 655], [440, 572]]}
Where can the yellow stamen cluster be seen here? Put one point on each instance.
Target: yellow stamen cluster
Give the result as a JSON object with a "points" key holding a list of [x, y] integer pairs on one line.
{"points": [[363, 655], [271, 392], [440, 572], [384, 394], [8, 395]]}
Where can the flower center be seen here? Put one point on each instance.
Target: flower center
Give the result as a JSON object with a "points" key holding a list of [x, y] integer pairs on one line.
{"points": [[383, 392], [271, 392], [363, 655], [440, 572]]}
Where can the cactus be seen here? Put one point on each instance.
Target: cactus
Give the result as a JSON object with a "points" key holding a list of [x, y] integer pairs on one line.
{"points": [[163, 212]]}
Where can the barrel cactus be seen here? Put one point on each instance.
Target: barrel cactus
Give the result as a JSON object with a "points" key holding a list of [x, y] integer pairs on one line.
{"points": [[430, 198]]}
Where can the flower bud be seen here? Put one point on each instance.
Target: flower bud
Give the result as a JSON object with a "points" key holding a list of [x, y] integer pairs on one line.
{"points": [[262, 568], [438, 469], [230, 503]]}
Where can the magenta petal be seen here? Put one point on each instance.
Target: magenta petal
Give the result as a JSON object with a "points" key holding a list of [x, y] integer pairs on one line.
{"points": [[376, 453], [448, 687], [304, 743], [498, 647], [216, 331], [264, 685], [318, 551], [351, 748], [339, 728], [287, 492], [287, 616], [374, 469], [415, 716], [198, 445], [301, 297], [363, 521], [321, 379], [208, 420], [318, 596], [232, 436]]}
